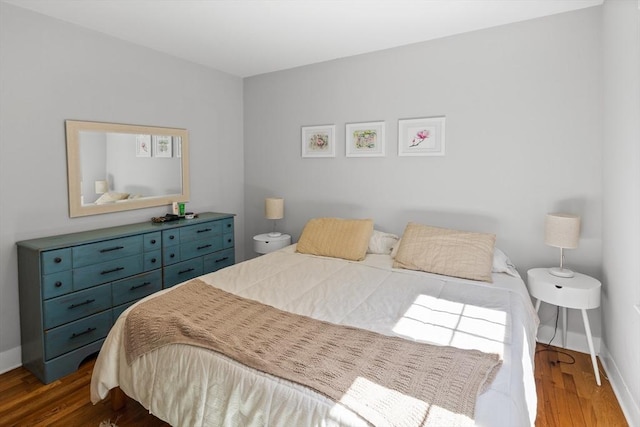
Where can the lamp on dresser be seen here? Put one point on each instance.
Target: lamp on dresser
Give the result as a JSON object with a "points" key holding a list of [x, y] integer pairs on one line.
{"points": [[274, 209], [562, 231]]}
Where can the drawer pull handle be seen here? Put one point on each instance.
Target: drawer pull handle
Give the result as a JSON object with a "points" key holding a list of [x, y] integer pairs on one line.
{"points": [[113, 270], [228, 225], [228, 240], [89, 301], [185, 271], [153, 241], [142, 285], [57, 260], [153, 260], [115, 248], [172, 256], [88, 331], [58, 284], [204, 230], [558, 286], [204, 247], [222, 259], [172, 237]]}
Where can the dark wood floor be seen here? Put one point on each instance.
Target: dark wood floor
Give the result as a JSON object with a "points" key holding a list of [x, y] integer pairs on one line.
{"points": [[567, 396]]}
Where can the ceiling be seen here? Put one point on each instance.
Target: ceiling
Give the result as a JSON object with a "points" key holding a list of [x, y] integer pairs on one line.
{"points": [[250, 37]]}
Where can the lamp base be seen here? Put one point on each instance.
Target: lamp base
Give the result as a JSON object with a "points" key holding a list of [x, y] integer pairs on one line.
{"points": [[275, 234], [561, 272]]}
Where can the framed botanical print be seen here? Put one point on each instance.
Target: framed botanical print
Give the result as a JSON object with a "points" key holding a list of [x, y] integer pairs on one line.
{"points": [[365, 139], [421, 137], [318, 141]]}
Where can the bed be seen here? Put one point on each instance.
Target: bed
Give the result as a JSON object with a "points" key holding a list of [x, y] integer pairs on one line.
{"points": [[188, 385]]}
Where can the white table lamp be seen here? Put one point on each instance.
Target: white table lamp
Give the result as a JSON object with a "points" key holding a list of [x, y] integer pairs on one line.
{"points": [[101, 186], [562, 231], [274, 209]]}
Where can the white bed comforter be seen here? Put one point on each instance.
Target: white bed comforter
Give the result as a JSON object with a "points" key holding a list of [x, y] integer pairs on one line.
{"points": [[190, 386]]}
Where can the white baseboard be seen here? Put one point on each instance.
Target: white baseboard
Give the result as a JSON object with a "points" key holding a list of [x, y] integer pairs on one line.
{"points": [[10, 359], [575, 341], [629, 406]]}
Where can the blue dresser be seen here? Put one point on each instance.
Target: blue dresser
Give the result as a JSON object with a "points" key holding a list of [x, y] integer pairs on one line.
{"points": [[73, 287]]}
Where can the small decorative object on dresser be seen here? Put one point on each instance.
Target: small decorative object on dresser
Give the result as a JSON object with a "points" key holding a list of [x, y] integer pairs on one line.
{"points": [[265, 243], [580, 292], [73, 287]]}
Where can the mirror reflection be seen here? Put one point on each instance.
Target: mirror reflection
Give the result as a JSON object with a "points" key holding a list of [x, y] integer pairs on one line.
{"points": [[115, 167], [126, 166]]}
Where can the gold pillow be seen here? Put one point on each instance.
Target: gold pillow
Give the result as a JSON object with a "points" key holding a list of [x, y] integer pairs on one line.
{"points": [[445, 251], [336, 237]]}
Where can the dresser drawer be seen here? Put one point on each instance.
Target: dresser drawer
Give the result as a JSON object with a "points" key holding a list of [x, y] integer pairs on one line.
{"points": [[56, 284], [107, 250], [170, 255], [227, 225], [92, 275], [152, 260], [182, 271], [170, 237], [218, 260], [200, 247], [61, 340], [117, 311], [137, 287], [68, 308], [54, 261], [200, 231], [152, 241], [227, 240]]}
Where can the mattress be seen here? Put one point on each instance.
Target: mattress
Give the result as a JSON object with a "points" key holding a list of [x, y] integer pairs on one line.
{"points": [[191, 386]]}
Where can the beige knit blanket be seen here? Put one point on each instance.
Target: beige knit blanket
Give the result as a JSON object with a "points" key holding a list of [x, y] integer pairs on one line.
{"points": [[389, 381]]}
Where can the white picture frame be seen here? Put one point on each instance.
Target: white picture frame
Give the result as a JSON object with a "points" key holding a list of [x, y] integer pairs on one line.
{"points": [[318, 141], [421, 136], [177, 146], [143, 145], [365, 139], [162, 146]]}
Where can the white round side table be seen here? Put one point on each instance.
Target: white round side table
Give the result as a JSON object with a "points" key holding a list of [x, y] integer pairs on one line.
{"points": [[579, 292], [264, 244]]}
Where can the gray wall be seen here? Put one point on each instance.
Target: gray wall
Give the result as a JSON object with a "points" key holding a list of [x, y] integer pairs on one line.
{"points": [[51, 71], [621, 202], [523, 137]]}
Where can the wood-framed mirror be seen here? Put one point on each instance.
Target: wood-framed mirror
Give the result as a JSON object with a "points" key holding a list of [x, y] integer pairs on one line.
{"points": [[117, 167]]}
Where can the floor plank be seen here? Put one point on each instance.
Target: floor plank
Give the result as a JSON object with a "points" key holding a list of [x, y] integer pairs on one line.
{"points": [[567, 396]]}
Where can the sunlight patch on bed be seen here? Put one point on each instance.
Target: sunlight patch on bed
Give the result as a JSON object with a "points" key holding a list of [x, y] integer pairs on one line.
{"points": [[397, 407], [446, 322]]}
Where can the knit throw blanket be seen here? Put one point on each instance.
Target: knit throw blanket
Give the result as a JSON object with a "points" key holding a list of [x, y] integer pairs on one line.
{"points": [[389, 381]]}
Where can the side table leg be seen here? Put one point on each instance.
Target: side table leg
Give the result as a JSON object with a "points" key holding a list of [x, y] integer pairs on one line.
{"points": [[594, 361], [564, 327], [538, 305]]}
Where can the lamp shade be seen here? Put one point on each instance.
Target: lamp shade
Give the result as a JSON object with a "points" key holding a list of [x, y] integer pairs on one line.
{"points": [[274, 208], [102, 186], [562, 230]]}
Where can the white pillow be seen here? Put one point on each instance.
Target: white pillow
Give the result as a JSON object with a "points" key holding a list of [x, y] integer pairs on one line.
{"points": [[381, 242], [111, 197], [501, 262]]}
